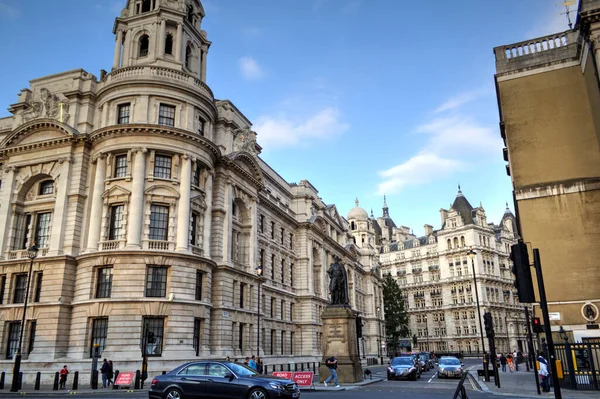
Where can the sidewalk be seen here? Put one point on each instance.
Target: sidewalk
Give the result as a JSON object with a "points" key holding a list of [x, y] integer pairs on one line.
{"points": [[522, 384], [375, 370], [61, 393]]}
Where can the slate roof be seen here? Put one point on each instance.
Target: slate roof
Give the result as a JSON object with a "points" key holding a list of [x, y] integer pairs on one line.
{"points": [[463, 207]]}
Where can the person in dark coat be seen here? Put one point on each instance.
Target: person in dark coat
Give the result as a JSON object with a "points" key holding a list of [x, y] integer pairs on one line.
{"points": [[110, 374], [104, 372]]}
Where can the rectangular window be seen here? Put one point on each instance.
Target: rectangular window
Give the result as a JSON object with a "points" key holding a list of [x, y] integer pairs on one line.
{"points": [[282, 310], [2, 288], [104, 282], [14, 330], [197, 326], [38, 287], [199, 276], [47, 187], [241, 336], [162, 166], [291, 311], [282, 271], [115, 223], [273, 267], [154, 330], [272, 230], [273, 307], [194, 218], [273, 337], [242, 293], [159, 222], [20, 287], [262, 223], [32, 327], [282, 342], [292, 336], [121, 165], [166, 115], [291, 241], [124, 110], [291, 275], [196, 175], [201, 126], [99, 334], [156, 282], [22, 231], [262, 258], [42, 229]]}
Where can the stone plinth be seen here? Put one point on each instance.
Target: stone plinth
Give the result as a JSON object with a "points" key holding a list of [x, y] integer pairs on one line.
{"points": [[339, 340]]}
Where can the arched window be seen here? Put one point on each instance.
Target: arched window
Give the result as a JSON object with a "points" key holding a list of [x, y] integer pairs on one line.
{"points": [[169, 44], [352, 226], [144, 45], [146, 5], [449, 244], [462, 241], [455, 242], [188, 56]]}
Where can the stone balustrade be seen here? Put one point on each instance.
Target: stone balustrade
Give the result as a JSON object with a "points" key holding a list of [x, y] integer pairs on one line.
{"points": [[112, 245], [24, 253], [159, 245]]}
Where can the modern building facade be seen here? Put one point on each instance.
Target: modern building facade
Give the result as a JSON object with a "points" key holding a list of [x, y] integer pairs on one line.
{"points": [[152, 211], [549, 102], [436, 275]]}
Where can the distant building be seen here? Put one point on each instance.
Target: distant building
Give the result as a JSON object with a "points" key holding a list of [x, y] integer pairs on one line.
{"points": [[152, 211], [436, 278], [549, 103]]}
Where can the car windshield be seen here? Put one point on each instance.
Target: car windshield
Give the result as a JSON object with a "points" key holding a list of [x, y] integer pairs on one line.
{"points": [[402, 361], [241, 370], [449, 362]]}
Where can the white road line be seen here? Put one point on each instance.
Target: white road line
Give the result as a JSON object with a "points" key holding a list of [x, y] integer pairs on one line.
{"points": [[432, 377]]}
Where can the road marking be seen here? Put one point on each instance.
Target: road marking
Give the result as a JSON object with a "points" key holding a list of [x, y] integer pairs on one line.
{"points": [[432, 377]]}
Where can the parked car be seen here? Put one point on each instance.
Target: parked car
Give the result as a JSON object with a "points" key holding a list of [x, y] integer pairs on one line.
{"points": [[403, 367], [418, 360], [449, 367], [211, 379], [426, 356]]}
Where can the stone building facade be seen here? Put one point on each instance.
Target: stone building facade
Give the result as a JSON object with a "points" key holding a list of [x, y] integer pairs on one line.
{"points": [[549, 105], [152, 210], [436, 275]]}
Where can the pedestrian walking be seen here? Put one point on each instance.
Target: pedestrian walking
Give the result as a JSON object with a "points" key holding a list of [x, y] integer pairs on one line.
{"points": [[510, 362], [104, 372], [259, 366], [503, 362], [543, 372], [332, 365], [64, 372], [111, 373], [252, 362], [247, 361]]}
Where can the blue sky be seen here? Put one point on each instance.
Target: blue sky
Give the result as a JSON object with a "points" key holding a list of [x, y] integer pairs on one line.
{"points": [[360, 97]]}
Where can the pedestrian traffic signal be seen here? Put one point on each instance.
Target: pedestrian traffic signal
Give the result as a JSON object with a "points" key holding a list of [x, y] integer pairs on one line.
{"points": [[522, 271], [537, 325], [489, 324]]}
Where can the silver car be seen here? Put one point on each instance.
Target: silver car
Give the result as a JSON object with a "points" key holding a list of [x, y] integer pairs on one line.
{"points": [[449, 367]]}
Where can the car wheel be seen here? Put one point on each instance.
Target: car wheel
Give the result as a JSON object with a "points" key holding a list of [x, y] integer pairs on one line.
{"points": [[257, 393], [414, 377], [173, 393]]}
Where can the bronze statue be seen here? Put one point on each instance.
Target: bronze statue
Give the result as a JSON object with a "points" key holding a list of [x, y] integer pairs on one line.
{"points": [[338, 282]]}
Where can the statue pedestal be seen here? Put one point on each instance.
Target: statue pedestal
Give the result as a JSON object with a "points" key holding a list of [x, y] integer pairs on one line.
{"points": [[339, 340]]}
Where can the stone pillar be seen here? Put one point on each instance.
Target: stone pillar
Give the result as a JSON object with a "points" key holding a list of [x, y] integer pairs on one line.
{"points": [[136, 207], [59, 215], [161, 38], [127, 50], [8, 183], [96, 209], [118, 44], [203, 64], [178, 43], [208, 215], [183, 209], [339, 336]]}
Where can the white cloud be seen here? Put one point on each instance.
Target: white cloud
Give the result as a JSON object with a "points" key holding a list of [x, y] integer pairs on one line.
{"points": [[250, 69], [8, 11], [459, 100], [283, 131], [451, 144]]}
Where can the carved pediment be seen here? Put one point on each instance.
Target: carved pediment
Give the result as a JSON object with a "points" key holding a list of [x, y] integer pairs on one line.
{"points": [[39, 131], [248, 164], [161, 193], [245, 140], [116, 191], [45, 104]]}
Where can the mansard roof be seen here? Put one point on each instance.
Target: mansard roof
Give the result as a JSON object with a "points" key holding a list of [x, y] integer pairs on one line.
{"points": [[463, 207]]}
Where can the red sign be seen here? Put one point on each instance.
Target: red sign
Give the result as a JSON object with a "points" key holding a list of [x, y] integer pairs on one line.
{"points": [[283, 374], [303, 378], [124, 378]]}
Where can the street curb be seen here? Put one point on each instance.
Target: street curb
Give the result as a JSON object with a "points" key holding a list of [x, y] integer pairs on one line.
{"points": [[70, 393], [319, 387]]}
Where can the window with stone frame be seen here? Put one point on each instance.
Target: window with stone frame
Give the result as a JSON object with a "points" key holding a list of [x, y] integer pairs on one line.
{"points": [[159, 217], [104, 282], [199, 281], [156, 281], [120, 167], [116, 220], [37, 292], [123, 113], [2, 288], [143, 46], [162, 166], [32, 228], [197, 336], [114, 217], [20, 285], [13, 330], [46, 187], [159, 222], [169, 44], [166, 115], [154, 328], [31, 340], [98, 334]]}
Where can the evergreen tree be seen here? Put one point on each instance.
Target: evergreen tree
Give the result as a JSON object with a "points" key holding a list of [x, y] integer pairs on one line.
{"points": [[396, 317]]}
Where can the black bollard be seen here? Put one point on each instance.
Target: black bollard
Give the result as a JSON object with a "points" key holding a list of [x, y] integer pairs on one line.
{"points": [[137, 379], [2, 376], [164, 372], [94, 381], [55, 386], [20, 380], [115, 380], [38, 377], [76, 380]]}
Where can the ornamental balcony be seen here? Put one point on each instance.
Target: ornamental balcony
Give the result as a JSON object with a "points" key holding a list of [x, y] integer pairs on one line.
{"points": [[24, 253], [159, 245]]}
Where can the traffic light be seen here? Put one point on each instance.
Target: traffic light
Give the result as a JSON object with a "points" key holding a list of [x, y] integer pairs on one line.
{"points": [[537, 325], [489, 324], [522, 271]]}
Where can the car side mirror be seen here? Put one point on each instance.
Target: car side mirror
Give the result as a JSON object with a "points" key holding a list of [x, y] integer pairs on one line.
{"points": [[229, 376]]}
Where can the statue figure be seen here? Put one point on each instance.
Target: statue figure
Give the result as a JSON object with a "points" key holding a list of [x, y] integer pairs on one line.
{"points": [[338, 282]]}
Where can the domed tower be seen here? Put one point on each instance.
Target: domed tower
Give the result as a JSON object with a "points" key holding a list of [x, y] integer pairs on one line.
{"points": [[361, 227]]}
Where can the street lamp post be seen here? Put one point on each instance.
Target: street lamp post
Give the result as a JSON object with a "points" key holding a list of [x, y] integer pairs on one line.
{"points": [[32, 254], [427, 335], [259, 273], [472, 255], [380, 349]]}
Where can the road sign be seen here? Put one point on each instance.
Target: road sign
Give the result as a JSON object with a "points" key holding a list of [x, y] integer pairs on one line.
{"points": [[125, 378], [283, 374], [303, 378]]}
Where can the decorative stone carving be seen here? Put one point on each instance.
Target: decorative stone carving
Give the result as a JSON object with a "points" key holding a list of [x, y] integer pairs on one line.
{"points": [[47, 105], [245, 140]]}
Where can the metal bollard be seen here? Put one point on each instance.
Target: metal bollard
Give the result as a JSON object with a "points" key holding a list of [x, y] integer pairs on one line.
{"points": [[38, 377], [55, 386], [76, 380], [164, 372], [94, 381], [137, 379], [115, 380], [2, 376], [20, 380]]}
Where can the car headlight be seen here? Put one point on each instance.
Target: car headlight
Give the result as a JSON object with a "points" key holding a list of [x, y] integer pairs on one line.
{"points": [[276, 386], [441, 369]]}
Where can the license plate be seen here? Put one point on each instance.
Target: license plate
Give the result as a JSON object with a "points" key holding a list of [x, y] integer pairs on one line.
{"points": [[296, 395]]}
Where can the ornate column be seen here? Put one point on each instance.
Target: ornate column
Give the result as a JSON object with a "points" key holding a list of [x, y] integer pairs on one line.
{"points": [[161, 38], [208, 214], [136, 207], [253, 244], [8, 186], [59, 216], [183, 209], [96, 209], [178, 43], [203, 63], [127, 49], [118, 45]]}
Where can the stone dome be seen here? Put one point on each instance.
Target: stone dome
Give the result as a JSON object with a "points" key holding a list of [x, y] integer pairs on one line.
{"points": [[358, 213]]}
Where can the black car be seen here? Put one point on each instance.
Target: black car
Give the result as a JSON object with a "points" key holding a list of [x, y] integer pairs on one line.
{"points": [[212, 379], [403, 367]]}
